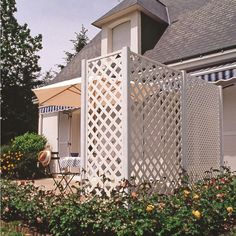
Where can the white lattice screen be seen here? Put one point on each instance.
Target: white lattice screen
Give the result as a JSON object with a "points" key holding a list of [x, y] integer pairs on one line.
{"points": [[104, 118], [146, 120], [156, 123], [203, 150]]}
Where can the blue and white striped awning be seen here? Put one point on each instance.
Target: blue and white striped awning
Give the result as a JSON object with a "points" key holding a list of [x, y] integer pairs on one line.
{"points": [[51, 109], [218, 73]]}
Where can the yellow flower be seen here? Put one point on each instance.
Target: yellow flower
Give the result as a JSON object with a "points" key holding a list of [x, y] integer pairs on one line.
{"points": [[186, 193], [196, 197], [150, 208], [230, 209], [197, 214]]}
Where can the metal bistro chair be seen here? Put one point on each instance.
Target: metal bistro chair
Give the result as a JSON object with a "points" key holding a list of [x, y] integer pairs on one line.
{"points": [[55, 171]]}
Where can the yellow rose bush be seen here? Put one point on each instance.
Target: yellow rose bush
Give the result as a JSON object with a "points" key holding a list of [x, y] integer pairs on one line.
{"points": [[19, 159], [205, 208], [197, 214], [150, 208], [9, 162]]}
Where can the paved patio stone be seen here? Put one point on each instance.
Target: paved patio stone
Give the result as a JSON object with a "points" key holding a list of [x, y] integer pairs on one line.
{"points": [[48, 183]]}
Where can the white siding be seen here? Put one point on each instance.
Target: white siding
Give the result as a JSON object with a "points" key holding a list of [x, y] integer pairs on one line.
{"points": [[229, 126], [49, 129]]}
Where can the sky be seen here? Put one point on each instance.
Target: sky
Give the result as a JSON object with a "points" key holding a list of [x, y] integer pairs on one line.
{"points": [[57, 21]]}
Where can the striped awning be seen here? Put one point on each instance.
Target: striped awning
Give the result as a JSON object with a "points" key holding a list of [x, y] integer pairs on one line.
{"points": [[51, 109], [217, 74]]}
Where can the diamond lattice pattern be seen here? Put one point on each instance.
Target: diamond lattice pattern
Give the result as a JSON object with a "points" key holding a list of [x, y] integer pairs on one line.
{"points": [[156, 124], [104, 119], [156, 94], [202, 127]]}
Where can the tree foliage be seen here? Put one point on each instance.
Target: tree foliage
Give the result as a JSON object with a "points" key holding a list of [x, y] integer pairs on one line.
{"points": [[19, 72], [81, 40]]}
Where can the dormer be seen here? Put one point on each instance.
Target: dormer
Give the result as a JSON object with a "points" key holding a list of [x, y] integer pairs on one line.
{"points": [[138, 24]]}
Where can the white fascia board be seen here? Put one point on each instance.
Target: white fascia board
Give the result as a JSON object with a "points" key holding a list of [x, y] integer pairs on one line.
{"points": [[214, 70], [207, 60]]}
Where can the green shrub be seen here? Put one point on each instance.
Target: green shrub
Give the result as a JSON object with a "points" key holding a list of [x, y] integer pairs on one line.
{"points": [[29, 143], [206, 208], [27, 146], [25, 202], [5, 149], [28, 168]]}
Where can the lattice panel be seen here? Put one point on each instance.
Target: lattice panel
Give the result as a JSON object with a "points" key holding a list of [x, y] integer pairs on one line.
{"points": [[169, 126], [156, 122], [202, 126], [104, 119]]}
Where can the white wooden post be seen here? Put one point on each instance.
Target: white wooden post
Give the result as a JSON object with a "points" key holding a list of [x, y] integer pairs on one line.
{"points": [[221, 126], [83, 136], [184, 121], [125, 112], [40, 124]]}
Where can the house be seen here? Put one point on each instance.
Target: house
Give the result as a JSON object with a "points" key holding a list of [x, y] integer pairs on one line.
{"points": [[197, 36]]}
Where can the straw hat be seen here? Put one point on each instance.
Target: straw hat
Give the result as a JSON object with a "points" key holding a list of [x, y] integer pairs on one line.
{"points": [[44, 157]]}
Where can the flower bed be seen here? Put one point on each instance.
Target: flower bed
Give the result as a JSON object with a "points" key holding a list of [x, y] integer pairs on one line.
{"points": [[206, 208], [19, 159]]}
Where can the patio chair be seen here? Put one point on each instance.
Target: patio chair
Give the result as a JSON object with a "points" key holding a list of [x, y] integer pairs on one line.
{"points": [[56, 170]]}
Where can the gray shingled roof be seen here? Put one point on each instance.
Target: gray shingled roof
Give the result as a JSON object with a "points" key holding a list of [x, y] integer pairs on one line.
{"points": [[208, 29], [177, 8], [198, 27], [155, 7]]}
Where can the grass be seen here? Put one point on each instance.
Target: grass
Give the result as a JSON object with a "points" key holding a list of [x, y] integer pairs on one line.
{"points": [[9, 229]]}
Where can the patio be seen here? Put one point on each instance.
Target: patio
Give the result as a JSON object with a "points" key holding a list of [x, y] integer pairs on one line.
{"points": [[46, 184]]}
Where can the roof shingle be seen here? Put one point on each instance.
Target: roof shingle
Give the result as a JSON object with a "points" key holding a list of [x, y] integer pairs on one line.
{"points": [[208, 29]]}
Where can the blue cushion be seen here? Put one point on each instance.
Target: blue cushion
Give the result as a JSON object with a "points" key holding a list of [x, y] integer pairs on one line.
{"points": [[74, 154]]}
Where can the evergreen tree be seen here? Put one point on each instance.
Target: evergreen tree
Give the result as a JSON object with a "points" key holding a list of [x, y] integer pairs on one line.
{"points": [[81, 40], [47, 77], [19, 73]]}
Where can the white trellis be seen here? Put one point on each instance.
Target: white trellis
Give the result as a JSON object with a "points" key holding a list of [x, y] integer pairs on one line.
{"points": [[141, 118]]}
